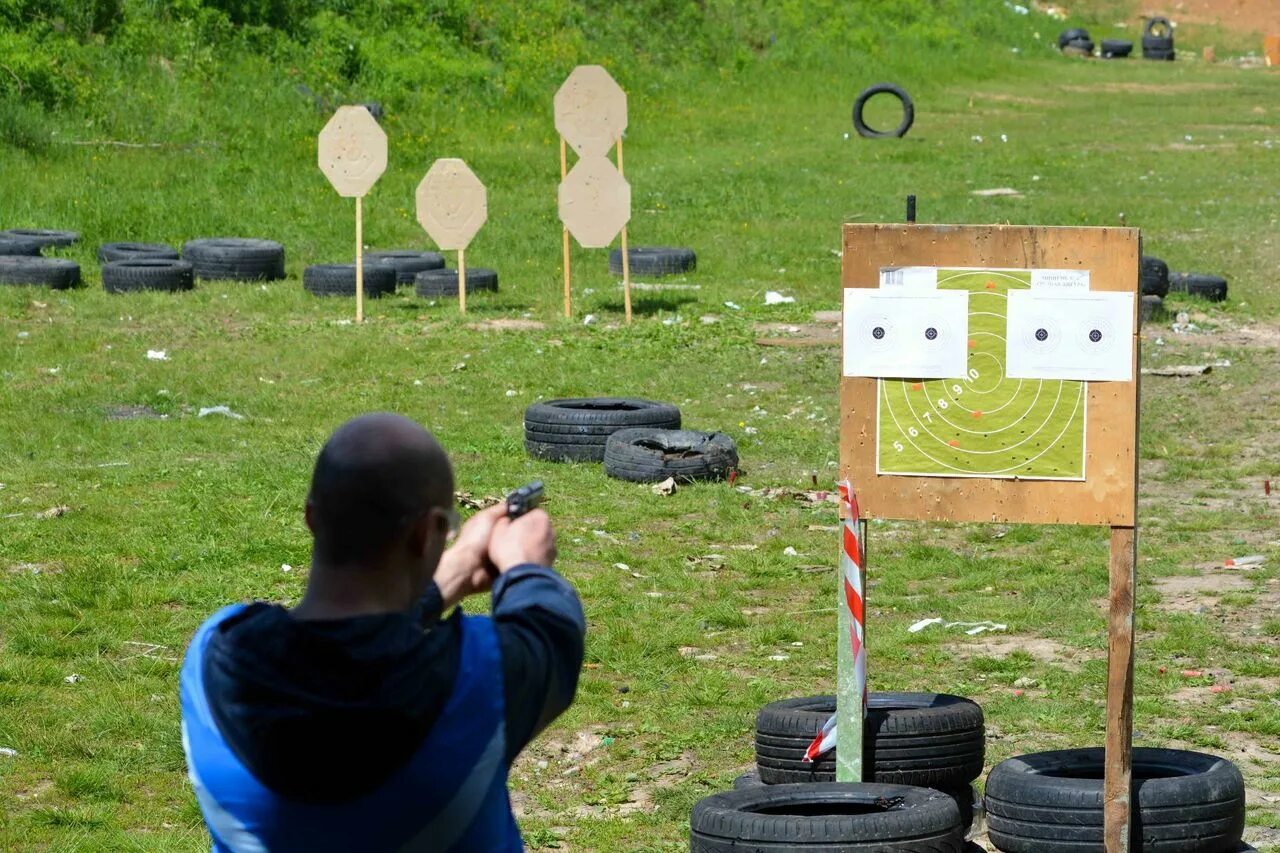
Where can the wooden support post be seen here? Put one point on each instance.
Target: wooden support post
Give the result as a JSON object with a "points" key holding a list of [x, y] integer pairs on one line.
{"points": [[626, 258], [564, 171], [462, 281], [359, 259], [1118, 785]]}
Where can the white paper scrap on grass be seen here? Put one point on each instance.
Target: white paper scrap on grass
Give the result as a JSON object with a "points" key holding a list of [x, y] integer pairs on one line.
{"points": [[909, 278], [1085, 336], [1060, 280], [906, 334]]}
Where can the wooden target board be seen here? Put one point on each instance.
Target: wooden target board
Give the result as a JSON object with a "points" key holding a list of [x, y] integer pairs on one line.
{"points": [[986, 447]]}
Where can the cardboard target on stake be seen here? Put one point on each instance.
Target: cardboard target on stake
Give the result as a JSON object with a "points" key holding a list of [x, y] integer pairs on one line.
{"points": [[452, 204], [591, 111], [595, 202]]}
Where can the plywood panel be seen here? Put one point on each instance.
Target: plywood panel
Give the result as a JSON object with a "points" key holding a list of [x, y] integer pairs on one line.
{"points": [[1108, 494]]}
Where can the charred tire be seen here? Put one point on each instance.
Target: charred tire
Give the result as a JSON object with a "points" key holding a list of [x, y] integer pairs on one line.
{"points": [[654, 260], [58, 273], [44, 236], [1211, 287], [929, 739], [647, 455], [1116, 48], [147, 274], [340, 280], [1155, 276], [1074, 34], [235, 258], [109, 252], [438, 283], [860, 105], [827, 818], [407, 264], [24, 246], [1052, 802], [577, 429]]}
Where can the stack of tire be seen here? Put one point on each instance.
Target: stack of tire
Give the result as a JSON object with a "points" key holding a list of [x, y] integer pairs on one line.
{"points": [[1157, 39], [407, 262], [22, 260], [1203, 285], [132, 267], [340, 279], [1052, 802], [576, 429], [654, 261], [235, 259], [1155, 286], [1075, 42], [921, 753], [443, 283]]}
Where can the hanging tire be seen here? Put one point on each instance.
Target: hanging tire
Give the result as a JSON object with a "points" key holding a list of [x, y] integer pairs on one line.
{"points": [[1159, 28], [58, 273], [826, 818], [235, 258], [1154, 276], [1150, 309], [407, 263], [1074, 34], [576, 429], [340, 280], [19, 246], [109, 252], [1116, 48], [1211, 287], [654, 260], [860, 105], [1052, 802], [648, 455], [929, 739], [44, 236], [443, 283], [147, 274]]}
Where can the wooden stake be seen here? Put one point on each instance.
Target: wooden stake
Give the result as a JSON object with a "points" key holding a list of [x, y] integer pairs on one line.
{"points": [[1118, 785], [359, 259], [564, 171], [462, 280], [626, 260]]}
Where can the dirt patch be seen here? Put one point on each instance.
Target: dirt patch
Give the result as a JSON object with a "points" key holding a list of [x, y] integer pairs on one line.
{"points": [[793, 335], [507, 324], [1241, 16], [1042, 649], [1197, 593], [1147, 88], [130, 413]]}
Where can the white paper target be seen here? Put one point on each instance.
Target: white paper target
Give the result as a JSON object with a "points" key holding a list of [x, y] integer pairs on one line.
{"points": [[1085, 336], [905, 334]]}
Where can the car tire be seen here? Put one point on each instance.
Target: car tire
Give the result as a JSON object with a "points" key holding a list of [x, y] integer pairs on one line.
{"points": [[1116, 48], [1052, 802], [109, 252], [825, 818], [860, 105], [1154, 276], [235, 258], [23, 246], [1074, 34], [44, 236], [407, 263], [1079, 47], [1211, 287], [576, 429], [340, 280], [654, 261], [443, 283], [648, 455], [144, 273], [58, 273]]}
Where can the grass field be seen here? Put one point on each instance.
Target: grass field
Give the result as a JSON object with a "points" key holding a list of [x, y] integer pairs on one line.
{"points": [[697, 616]]}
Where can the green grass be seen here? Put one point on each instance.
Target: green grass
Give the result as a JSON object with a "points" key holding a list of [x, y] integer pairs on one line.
{"points": [[173, 516]]}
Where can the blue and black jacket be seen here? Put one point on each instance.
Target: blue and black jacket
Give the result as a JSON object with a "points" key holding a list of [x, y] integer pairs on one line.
{"points": [[385, 732]]}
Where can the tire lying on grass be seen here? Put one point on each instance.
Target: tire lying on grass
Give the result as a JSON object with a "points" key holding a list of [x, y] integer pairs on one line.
{"points": [[44, 236], [340, 280], [654, 260], [929, 739], [1116, 48], [108, 252], [1051, 802], [860, 105], [1074, 34], [145, 273], [576, 429], [19, 246], [407, 263], [235, 258], [58, 273], [443, 283], [827, 817], [648, 455], [1154, 276], [1211, 287]]}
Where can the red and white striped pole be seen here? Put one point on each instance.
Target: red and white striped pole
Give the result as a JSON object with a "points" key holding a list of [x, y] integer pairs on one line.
{"points": [[851, 658]]}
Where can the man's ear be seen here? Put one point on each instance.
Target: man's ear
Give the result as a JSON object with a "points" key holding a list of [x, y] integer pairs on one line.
{"points": [[424, 530]]}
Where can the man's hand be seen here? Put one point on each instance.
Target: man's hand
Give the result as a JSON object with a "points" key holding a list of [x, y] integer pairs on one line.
{"points": [[528, 539], [465, 568]]}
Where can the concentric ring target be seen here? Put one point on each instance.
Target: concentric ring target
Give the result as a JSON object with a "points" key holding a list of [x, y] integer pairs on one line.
{"points": [[984, 424], [878, 332]]}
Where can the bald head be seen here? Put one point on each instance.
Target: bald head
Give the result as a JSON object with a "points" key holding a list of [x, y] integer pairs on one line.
{"points": [[375, 478]]}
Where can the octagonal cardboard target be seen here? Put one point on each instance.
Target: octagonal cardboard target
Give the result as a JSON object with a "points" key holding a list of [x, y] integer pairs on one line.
{"points": [[452, 204], [595, 202], [591, 111], [352, 151]]}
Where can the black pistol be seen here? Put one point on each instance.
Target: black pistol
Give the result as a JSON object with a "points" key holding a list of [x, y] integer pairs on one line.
{"points": [[524, 499]]}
